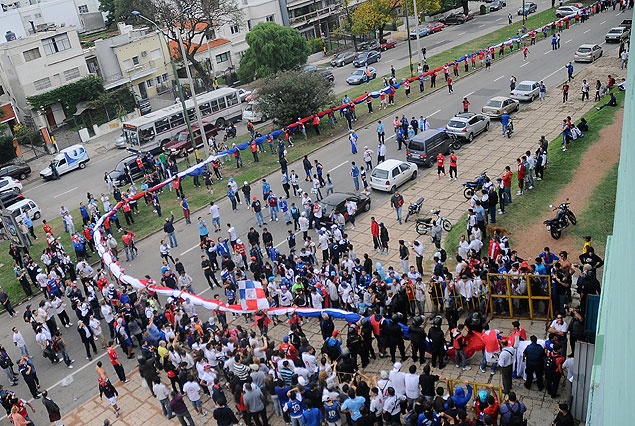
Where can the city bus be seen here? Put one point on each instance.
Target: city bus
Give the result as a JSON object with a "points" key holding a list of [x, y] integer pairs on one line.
{"points": [[151, 131]]}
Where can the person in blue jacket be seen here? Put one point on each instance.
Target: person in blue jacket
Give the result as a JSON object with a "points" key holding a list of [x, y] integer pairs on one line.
{"points": [[460, 399]]}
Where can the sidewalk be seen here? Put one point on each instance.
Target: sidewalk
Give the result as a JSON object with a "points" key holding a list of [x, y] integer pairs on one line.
{"points": [[489, 152]]}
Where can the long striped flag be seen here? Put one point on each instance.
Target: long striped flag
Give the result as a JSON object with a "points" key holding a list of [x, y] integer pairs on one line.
{"points": [[252, 295]]}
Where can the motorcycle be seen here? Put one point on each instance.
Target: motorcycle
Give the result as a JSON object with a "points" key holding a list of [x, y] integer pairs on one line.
{"points": [[414, 208], [426, 224], [475, 185], [455, 144], [510, 128], [230, 132], [556, 225]]}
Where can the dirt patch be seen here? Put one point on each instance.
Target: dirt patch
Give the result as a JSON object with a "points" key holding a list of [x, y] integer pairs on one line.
{"points": [[595, 163]]}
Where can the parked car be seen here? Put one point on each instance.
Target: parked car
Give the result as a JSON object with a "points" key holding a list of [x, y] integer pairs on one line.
{"points": [[495, 5], [250, 113], [145, 107], [390, 174], [25, 206], [466, 125], [588, 53], [10, 197], [529, 8], [388, 43], [120, 142], [8, 183], [182, 139], [16, 170], [526, 91], [309, 68], [578, 5], [71, 158], [242, 94], [496, 106], [359, 76], [366, 58], [124, 170], [617, 34], [370, 45], [337, 202], [343, 58], [327, 73], [456, 18], [423, 31], [425, 146], [435, 26], [253, 95], [563, 11], [627, 23]]}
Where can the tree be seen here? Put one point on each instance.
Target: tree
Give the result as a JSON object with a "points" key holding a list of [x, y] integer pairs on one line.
{"points": [[425, 7], [196, 21], [272, 48], [7, 149], [374, 15], [116, 10], [287, 95]]}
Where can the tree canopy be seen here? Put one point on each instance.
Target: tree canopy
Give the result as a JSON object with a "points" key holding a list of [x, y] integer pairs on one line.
{"points": [[116, 10], [287, 95], [272, 48], [374, 15]]}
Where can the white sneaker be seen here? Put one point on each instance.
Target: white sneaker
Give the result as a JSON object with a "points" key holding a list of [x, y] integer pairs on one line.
{"points": [[538, 178], [531, 187], [482, 370], [467, 368], [519, 193], [492, 372], [69, 366], [500, 211]]}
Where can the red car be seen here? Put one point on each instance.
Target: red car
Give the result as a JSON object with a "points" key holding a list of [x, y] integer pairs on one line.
{"points": [[182, 139], [435, 27], [388, 44]]}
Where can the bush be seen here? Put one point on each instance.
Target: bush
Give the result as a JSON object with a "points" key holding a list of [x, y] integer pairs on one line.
{"points": [[316, 45]]}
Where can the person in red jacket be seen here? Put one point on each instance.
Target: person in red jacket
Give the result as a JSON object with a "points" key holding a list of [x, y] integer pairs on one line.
{"points": [[507, 184], [374, 230], [440, 165], [453, 162], [521, 176]]}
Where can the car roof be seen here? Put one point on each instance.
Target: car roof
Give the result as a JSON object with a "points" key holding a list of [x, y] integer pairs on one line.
{"points": [[527, 82], [389, 164], [427, 134], [20, 203], [338, 197], [499, 98], [618, 28], [589, 45], [465, 115]]}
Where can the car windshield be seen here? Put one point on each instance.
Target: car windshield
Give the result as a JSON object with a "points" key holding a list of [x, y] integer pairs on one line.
{"points": [[358, 72], [121, 167], [584, 50], [362, 55], [615, 31], [380, 174], [456, 124], [493, 103], [523, 87]]}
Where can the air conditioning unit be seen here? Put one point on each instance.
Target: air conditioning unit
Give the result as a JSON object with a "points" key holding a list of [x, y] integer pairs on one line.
{"points": [[144, 53]]}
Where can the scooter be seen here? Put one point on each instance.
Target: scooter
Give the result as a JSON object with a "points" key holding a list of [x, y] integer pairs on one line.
{"points": [[414, 208], [510, 128], [426, 224], [556, 225], [475, 185]]}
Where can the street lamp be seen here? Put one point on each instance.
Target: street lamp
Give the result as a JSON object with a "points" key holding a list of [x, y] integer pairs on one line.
{"points": [[408, 33], [179, 88]]}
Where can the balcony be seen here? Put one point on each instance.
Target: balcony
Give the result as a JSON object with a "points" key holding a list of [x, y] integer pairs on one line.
{"points": [[314, 16], [129, 75]]}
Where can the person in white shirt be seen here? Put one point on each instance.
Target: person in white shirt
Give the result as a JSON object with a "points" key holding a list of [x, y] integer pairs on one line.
{"points": [[18, 340], [420, 295], [475, 244], [193, 392], [398, 379], [506, 363], [95, 326], [215, 212], [559, 327], [316, 299], [412, 386], [392, 406], [162, 394], [310, 361]]}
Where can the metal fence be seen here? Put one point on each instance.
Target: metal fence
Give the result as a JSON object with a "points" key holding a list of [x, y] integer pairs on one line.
{"points": [[520, 296]]}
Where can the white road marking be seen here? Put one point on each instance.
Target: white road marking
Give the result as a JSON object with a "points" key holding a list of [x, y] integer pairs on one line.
{"points": [[498, 19], [437, 111], [189, 250], [284, 241], [526, 63], [602, 23], [65, 192], [460, 34], [392, 136], [619, 14], [587, 31], [548, 52], [568, 41], [338, 166], [35, 187], [556, 71], [499, 78], [482, 25], [468, 94]]}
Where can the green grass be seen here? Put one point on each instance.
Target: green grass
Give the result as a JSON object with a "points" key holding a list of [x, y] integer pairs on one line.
{"points": [[560, 170], [597, 219], [198, 197]]}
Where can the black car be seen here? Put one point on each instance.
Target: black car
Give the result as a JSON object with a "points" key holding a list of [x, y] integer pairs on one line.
{"points": [[337, 202], [16, 171], [366, 58], [10, 197], [495, 5], [326, 73], [121, 174]]}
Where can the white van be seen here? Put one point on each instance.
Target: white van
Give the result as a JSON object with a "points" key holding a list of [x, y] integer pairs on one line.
{"points": [[250, 113], [25, 206], [68, 159]]}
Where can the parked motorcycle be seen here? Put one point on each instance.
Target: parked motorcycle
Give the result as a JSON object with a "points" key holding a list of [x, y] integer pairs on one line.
{"points": [[510, 128], [230, 132], [426, 224], [455, 144], [475, 185], [556, 225], [414, 208]]}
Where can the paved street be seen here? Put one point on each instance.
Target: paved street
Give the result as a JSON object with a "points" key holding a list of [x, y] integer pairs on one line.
{"points": [[489, 151]]}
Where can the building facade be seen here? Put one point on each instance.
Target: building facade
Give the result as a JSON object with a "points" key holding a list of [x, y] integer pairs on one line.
{"points": [[36, 64]]}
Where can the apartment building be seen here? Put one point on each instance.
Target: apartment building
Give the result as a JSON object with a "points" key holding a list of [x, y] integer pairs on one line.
{"points": [[36, 64]]}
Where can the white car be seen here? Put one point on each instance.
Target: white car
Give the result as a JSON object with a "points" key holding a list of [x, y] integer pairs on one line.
{"points": [[68, 159], [7, 183], [588, 53], [390, 174], [250, 113], [25, 207], [563, 11], [242, 94], [526, 91]]}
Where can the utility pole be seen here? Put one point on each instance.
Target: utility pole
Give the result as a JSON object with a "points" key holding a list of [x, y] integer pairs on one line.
{"points": [[405, 4], [524, 14], [201, 127], [414, 2]]}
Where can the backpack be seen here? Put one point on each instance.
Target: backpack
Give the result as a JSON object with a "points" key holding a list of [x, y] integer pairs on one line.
{"points": [[550, 362], [516, 418], [444, 255], [4, 362]]}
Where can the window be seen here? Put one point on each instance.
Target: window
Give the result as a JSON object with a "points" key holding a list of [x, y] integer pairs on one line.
{"points": [[150, 83], [232, 99], [56, 44], [42, 84], [177, 120], [165, 77], [135, 60], [37, 15], [214, 104], [205, 108], [162, 125], [235, 29], [270, 18], [32, 54], [71, 74], [158, 80], [223, 57], [82, 8], [221, 103]]}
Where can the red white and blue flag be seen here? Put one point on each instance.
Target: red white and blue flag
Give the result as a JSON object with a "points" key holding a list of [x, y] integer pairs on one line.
{"points": [[252, 295]]}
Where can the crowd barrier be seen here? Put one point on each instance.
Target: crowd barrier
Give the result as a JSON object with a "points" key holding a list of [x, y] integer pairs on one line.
{"points": [[508, 301]]}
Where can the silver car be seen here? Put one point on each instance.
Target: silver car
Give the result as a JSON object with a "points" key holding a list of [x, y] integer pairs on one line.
{"points": [[498, 105], [343, 58], [588, 53], [466, 125], [617, 34], [526, 91]]}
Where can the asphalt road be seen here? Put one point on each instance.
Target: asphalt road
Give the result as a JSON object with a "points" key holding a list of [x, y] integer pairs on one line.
{"points": [[543, 64]]}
